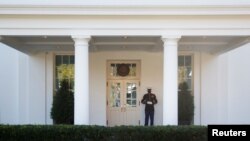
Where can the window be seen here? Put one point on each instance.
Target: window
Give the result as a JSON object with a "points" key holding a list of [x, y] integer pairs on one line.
{"points": [[185, 73], [185, 90], [64, 70]]}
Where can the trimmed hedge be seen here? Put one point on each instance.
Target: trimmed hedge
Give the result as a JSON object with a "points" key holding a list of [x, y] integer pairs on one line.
{"points": [[101, 133]]}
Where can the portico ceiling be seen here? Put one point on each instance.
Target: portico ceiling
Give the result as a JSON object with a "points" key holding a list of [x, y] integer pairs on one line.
{"points": [[212, 44]]}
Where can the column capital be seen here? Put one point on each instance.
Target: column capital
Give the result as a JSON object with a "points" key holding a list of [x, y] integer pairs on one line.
{"points": [[166, 38], [81, 39], [170, 40]]}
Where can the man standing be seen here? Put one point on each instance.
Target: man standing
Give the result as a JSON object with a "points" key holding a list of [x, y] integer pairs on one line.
{"points": [[149, 99]]}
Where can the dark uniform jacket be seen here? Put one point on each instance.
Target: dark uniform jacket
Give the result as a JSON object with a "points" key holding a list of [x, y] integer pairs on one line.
{"points": [[149, 98]]}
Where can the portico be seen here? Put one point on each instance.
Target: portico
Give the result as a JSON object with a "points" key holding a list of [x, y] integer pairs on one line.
{"points": [[170, 96], [156, 39]]}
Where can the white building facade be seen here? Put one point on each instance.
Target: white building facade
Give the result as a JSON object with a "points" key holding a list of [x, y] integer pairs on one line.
{"points": [[154, 36]]}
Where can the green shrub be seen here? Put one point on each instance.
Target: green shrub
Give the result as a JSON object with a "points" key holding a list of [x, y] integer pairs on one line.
{"points": [[62, 111], [101, 133], [185, 105]]}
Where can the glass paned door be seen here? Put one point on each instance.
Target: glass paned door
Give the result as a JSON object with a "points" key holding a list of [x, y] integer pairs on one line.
{"points": [[131, 115], [114, 97], [122, 102]]}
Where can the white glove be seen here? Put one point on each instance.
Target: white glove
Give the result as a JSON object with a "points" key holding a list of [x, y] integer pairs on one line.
{"points": [[149, 102]]}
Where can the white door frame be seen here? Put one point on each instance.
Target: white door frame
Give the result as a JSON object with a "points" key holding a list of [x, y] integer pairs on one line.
{"points": [[124, 114]]}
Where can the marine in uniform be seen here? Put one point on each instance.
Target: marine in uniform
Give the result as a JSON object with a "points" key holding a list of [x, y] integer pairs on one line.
{"points": [[149, 99]]}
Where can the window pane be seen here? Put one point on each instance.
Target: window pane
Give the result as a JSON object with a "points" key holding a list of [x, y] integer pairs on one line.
{"points": [[132, 69], [58, 60], [133, 103], [72, 59], [134, 86], [189, 82], [188, 61], [181, 61], [128, 102], [66, 59], [134, 94], [189, 72], [181, 73], [112, 70], [114, 96], [128, 95]]}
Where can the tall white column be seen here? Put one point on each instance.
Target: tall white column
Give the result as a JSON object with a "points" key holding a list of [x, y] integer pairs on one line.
{"points": [[170, 80], [81, 104]]}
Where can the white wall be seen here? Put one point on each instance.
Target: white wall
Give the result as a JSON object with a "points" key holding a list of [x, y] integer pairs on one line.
{"points": [[25, 99], [209, 100], [151, 75], [213, 90], [23, 88], [40, 88], [225, 87], [222, 94], [36, 89], [239, 85], [8, 85]]}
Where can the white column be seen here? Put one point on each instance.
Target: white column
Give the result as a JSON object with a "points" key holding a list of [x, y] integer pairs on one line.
{"points": [[170, 80], [81, 113]]}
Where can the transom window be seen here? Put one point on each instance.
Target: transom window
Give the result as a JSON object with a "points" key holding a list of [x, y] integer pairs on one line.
{"points": [[123, 69]]}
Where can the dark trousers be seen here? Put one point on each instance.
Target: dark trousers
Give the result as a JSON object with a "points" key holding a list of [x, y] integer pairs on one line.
{"points": [[149, 115]]}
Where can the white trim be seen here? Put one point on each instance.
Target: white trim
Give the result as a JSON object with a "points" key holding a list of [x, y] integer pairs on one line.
{"points": [[135, 43], [124, 10], [45, 85], [127, 2], [63, 53], [126, 31]]}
